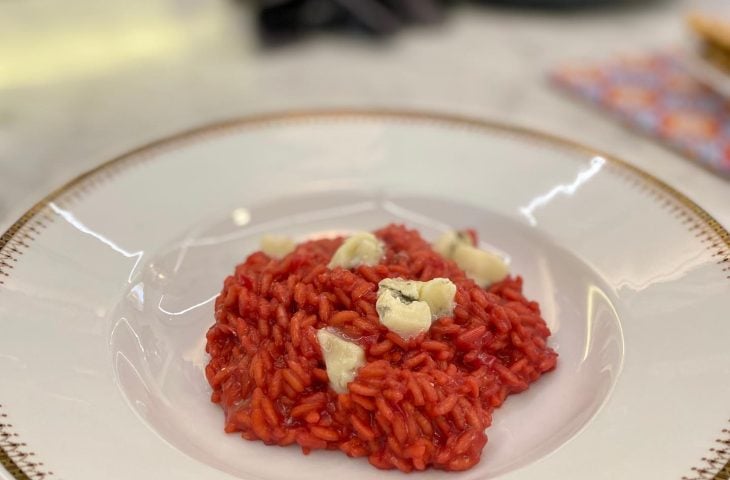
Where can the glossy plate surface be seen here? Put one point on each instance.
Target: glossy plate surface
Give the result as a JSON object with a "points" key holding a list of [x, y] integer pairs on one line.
{"points": [[107, 289]]}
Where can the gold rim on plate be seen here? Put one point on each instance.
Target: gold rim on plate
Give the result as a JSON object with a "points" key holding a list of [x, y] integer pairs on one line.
{"points": [[17, 458]]}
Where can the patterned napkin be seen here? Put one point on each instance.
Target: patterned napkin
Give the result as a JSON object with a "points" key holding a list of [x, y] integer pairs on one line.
{"points": [[654, 94]]}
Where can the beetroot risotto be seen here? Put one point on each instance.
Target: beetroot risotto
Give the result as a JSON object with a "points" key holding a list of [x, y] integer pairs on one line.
{"points": [[381, 346]]}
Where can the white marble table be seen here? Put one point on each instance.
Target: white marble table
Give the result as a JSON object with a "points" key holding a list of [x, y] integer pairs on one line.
{"points": [[82, 81]]}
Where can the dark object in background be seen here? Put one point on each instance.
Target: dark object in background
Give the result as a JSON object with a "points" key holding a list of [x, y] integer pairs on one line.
{"points": [[285, 20], [566, 4], [282, 20]]}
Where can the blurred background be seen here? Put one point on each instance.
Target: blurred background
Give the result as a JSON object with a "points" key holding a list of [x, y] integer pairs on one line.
{"points": [[82, 81]]}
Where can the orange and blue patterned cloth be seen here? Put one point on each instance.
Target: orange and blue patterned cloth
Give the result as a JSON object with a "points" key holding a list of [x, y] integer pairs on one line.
{"points": [[656, 95]]}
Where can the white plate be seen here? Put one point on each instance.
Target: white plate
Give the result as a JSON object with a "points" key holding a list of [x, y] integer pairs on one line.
{"points": [[107, 287]]}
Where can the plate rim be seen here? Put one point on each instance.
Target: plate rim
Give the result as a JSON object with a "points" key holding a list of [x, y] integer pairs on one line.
{"points": [[19, 460]]}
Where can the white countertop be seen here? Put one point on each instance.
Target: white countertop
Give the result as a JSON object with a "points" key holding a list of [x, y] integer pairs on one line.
{"points": [[85, 82]]}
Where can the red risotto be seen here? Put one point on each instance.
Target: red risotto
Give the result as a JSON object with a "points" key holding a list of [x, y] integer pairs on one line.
{"points": [[416, 403]]}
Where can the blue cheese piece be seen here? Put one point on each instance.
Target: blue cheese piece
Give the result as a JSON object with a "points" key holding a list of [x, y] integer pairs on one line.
{"points": [[277, 246], [362, 248], [407, 307], [439, 295], [447, 243], [342, 358], [401, 314], [482, 266], [410, 289]]}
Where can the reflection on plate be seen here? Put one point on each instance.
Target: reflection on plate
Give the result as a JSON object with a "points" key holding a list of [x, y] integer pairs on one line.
{"points": [[107, 288]]}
